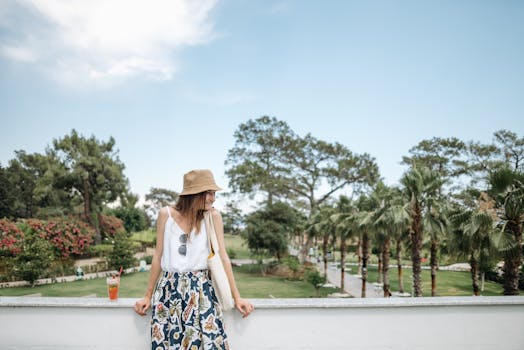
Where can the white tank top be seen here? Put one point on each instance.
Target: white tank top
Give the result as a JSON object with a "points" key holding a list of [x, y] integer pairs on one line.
{"points": [[197, 248]]}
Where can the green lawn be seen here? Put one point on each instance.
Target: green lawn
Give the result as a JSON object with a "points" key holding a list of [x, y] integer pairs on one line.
{"points": [[250, 283], [449, 283], [236, 243]]}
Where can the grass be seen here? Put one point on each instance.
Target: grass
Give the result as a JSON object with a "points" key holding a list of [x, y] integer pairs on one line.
{"points": [[249, 281], [146, 236], [449, 283], [236, 243]]}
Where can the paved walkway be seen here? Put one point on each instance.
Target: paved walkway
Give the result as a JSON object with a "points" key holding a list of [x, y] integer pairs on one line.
{"points": [[352, 283]]}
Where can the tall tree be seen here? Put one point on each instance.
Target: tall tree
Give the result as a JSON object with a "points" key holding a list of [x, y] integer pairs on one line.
{"points": [[507, 189], [267, 230], [320, 169], [158, 198], [345, 229], [442, 155], [473, 235], [421, 185], [255, 163], [93, 170]]}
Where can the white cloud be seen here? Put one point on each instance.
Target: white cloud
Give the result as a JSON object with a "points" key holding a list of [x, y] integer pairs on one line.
{"points": [[103, 41]]}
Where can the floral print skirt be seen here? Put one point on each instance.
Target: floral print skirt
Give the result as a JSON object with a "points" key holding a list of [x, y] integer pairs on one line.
{"points": [[186, 313]]}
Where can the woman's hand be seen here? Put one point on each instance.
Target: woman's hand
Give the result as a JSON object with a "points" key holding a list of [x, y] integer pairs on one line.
{"points": [[142, 305], [244, 307]]}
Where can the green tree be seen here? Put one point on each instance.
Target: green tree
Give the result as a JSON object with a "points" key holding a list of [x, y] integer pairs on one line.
{"points": [[7, 196], [473, 235], [507, 189], [134, 219], [267, 230], [314, 277], [233, 219], [345, 229], [320, 225], [93, 170], [255, 164], [160, 197], [420, 186], [35, 258], [122, 253]]}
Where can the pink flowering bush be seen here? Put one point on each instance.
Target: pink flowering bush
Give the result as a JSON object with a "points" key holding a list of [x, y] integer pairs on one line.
{"points": [[11, 238], [70, 237], [110, 226]]}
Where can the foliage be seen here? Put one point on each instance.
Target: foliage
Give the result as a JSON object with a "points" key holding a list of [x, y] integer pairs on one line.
{"points": [[313, 276], [267, 230], [157, 198], [93, 170], [233, 219], [7, 194], [11, 239], [67, 236], [110, 226], [254, 164], [269, 157], [100, 250], [507, 190], [35, 258], [122, 253], [134, 219]]}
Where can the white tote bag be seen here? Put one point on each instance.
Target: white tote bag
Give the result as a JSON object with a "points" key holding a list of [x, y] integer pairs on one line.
{"points": [[216, 268]]}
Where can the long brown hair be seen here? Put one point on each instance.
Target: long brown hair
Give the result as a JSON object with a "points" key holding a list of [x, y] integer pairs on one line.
{"points": [[192, 206]]}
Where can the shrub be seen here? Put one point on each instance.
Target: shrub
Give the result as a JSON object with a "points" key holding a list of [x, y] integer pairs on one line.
{"points": [[34, 259], [231, 253], [315, 278], [69, 236], [110, 226], [11, 238], [122, 253], [100, 250], [134, 219]]}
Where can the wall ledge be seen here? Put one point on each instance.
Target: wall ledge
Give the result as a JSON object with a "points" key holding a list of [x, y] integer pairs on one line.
{"points": [[278, 303]]}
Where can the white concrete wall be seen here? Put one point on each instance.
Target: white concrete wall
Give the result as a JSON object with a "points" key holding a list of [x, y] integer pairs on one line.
{"points": [[478, 323]]}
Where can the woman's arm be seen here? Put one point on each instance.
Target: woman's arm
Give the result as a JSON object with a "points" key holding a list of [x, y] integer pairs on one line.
{"points": [[244, 306], [142, 305]]}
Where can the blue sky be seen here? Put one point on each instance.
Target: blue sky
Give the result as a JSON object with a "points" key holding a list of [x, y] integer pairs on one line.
{"points": [[172, 80]]}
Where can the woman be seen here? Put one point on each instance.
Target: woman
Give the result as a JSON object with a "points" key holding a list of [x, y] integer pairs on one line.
{"points": [[185, 311]]}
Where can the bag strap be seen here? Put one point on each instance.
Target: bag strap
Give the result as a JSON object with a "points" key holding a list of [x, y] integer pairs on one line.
{"points": [[211, 234]]}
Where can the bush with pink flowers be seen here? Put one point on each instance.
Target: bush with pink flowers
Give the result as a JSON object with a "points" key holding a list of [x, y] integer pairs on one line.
{"points": [[11, 238]]}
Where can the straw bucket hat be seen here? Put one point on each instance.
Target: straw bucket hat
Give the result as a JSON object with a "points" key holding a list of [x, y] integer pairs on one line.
{"points": [[197, 181]]}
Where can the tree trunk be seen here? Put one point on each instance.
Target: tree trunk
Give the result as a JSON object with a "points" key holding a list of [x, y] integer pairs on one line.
{"points": [[380, 268], [385, 266], [513, 260], [474, 275], [416, 247], [324, 253], [434, 265], [342, 264], [88, 212], [365, 245], [399, 267], [359, 256]]}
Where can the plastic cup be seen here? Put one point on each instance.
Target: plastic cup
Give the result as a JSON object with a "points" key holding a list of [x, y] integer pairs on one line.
{"points": [[113, 285]]}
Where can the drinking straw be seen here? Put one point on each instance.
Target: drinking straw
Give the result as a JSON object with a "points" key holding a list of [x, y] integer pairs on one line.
{"points": [[120, 273]]}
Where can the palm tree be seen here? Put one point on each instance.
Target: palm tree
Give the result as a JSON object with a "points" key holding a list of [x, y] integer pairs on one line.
{"points": [[507, 189], [421, 185], [345, 228], [435, 223], [321, 226], [473, 235]]}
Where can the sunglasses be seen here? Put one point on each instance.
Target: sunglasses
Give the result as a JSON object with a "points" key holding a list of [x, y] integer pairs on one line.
{"points": [[182, 250]]}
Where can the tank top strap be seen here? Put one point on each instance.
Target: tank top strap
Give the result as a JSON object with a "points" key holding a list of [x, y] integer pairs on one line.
{"points": [[168, 210]]}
